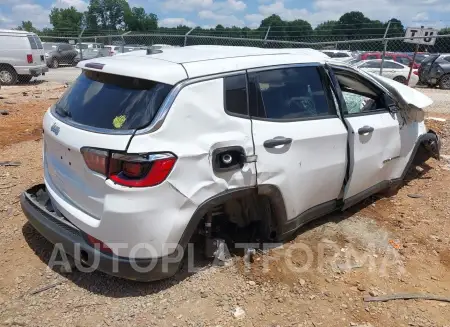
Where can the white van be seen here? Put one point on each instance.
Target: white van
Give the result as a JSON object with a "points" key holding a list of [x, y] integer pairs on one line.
{"points": [[21, 57]]}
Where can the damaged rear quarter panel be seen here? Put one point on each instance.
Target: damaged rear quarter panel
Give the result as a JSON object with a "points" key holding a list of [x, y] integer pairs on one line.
{"points": [[195, 126]]}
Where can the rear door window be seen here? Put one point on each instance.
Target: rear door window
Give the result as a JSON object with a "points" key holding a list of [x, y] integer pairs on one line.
{"points": [[35, 42], [110, 101], [290, 94]]}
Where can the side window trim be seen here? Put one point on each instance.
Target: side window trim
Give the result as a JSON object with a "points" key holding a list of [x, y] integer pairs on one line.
{"points": [[252, 87], [327, 87]]}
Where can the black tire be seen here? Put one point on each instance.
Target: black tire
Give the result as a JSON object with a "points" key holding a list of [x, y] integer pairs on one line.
{"points": [[54, 63], [25, 78], [8, 75], [400, 79], [444, 83]]}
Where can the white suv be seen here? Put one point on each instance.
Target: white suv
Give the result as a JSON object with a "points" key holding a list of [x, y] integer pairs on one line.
{"points": [[149, 148]]}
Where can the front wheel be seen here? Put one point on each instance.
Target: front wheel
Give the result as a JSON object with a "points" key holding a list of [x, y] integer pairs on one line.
{"points": [[400, 79], [444, 83]]}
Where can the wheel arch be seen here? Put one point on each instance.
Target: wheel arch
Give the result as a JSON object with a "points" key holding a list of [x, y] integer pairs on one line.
{"points": [[272, 192], [427, 145]]}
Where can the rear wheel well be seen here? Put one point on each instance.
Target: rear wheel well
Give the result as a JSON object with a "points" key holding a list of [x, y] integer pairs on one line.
{"points": [[247, 218]]}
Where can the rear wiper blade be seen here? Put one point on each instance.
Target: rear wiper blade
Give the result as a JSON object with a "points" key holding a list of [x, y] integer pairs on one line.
{"points": [[63, 112]]}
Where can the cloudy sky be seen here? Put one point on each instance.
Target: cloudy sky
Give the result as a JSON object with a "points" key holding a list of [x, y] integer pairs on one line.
{"points": [[208, 13]]}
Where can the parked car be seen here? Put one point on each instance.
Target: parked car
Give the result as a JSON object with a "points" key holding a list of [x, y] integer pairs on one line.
{"points": [[79, 46], [435, 70], [398, 57], [59, 53], [142, 154], [21, 57], [91, 54], [391, 69]]}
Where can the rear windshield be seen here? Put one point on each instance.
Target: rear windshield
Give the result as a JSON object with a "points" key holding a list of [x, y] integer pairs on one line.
{"points": [[110, 101]]}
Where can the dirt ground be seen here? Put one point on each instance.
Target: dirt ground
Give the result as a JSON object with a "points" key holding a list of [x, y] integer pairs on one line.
{"points": [[390, 243]]}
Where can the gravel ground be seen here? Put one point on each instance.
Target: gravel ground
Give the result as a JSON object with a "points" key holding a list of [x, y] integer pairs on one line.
{"points": [[441, 100], [396, 243]]}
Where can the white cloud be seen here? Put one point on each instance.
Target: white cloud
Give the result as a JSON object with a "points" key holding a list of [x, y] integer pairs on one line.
{"points": [[279, 8], [80, 5], [35, 13], [421, 16], [236, 5], [254, 18], [220, 7], [173, 22], [5, 21], [186, 5], [225, 20]]}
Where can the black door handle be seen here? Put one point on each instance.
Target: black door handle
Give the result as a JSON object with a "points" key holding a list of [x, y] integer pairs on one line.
{"points": [[277, 141], [365, 130]]}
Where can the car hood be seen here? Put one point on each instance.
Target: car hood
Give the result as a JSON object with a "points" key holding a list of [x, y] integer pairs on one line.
{"points": [[409, 100]]}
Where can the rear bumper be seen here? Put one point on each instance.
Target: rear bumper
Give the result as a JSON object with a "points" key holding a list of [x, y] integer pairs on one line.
{"points": [[37, 71], [56, 229]]}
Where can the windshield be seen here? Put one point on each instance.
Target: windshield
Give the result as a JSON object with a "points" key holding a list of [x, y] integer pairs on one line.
{"points": [[111, 101]]}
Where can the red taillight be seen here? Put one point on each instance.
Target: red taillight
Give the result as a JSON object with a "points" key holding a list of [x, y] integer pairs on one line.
{"points": [[128, 169], [98, 244], [415, 72], [30, 58], [96, 160], [142, 174]]}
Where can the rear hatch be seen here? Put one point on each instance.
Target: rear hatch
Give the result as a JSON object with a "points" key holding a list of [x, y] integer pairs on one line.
{"points": [[98, 114]]}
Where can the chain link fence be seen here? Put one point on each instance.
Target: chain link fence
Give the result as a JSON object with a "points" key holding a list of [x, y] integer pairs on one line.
{"points": [[258, 38]]}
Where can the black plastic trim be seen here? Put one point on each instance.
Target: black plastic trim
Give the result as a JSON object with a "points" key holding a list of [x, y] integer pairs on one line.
{"points": [[431, 135]]}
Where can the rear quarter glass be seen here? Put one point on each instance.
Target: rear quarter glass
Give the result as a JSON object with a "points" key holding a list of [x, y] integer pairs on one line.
{"points": [[108, 101]]}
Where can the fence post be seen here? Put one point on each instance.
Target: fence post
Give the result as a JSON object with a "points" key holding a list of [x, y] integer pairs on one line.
{"points": [[385, 47], [123, 40], [187, 34], [79, 42], [267, 35]]}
